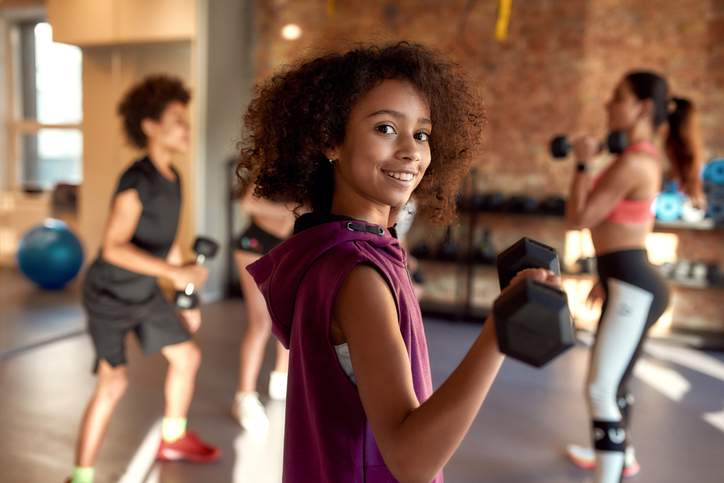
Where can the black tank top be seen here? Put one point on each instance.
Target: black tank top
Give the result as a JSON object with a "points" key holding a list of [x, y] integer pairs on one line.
{"points": [[155, 232]]}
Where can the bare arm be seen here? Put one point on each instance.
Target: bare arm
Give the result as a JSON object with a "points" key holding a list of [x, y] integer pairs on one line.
{"points": [[416, 440], [587, 207], [117, 246], [256, 206], [175, 255], [118, 249]]}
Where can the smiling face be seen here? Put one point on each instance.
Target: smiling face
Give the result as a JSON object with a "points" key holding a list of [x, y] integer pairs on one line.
{"points": [[385, 152]]}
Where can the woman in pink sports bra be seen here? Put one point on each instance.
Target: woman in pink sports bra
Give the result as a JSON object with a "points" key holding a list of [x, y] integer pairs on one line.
{"points": [[616, 207]]}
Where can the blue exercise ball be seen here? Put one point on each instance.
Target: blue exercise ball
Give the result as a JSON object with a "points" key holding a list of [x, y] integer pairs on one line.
{"points": [[50, 255]]}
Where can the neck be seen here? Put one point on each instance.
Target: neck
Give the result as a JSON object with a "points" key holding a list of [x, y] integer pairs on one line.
{"points": [[361, 210], [161, 157], [640, 133]]}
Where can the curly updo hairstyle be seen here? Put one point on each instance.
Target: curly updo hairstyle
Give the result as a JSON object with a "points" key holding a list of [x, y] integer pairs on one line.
{"points": [[301, 112], [147, 100]]}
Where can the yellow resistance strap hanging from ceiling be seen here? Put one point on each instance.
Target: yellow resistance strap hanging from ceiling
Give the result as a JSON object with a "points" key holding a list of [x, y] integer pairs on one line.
{"points": [[501, 25]]}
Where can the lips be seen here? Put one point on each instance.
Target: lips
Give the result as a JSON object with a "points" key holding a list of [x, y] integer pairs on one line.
{"points": [[404, 176]]}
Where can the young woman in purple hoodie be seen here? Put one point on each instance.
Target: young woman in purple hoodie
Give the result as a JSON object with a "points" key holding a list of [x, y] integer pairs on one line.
{"points": [[353, 135]]}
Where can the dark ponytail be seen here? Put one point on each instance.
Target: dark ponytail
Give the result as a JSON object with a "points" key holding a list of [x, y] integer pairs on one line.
{"points": [[683, 146], [682, 142]]}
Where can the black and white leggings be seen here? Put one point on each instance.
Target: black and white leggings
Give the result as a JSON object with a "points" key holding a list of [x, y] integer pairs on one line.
{"points": [[636, 296]]}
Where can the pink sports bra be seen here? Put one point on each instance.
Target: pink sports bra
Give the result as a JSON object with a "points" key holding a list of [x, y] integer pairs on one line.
{"points": [[629, 211]]}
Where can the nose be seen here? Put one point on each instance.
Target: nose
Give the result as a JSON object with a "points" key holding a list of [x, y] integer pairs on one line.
{"points": [[408, 149]]}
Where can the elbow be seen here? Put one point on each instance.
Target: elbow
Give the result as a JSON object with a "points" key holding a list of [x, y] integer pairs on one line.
{"points": [[110, 252], [574, 222], [406, 467], [580, 220], [575, 225]]}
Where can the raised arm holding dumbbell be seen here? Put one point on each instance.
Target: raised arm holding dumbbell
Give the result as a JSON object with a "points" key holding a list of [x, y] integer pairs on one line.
{"points": [[532, 320]]}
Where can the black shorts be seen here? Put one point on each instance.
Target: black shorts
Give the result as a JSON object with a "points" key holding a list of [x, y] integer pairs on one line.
{"points": [[155, 321], [257, 240]]}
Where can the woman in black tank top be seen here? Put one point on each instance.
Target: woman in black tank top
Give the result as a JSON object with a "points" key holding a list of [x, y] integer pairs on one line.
{"points": [[121, 293]]}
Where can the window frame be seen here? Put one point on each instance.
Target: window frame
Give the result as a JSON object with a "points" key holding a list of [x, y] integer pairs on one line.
{"points": [[21, 116]]}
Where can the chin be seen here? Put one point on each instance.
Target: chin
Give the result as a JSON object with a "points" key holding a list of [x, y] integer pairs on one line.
{"points": [[396, 201]]}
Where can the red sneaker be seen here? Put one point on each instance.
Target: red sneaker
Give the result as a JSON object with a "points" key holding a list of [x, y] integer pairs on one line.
{"points": [[188, 448]]}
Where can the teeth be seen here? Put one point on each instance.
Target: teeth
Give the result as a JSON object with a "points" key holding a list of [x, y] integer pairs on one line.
{"points": [[402, 176]]}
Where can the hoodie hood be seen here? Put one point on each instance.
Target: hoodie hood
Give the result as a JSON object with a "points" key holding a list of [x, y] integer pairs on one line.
{"points": [[280, 272]]}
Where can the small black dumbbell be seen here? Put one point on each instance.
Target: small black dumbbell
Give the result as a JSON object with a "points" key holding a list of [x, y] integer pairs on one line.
{"points": [[616, 142], [532, 319], [204, 248]]}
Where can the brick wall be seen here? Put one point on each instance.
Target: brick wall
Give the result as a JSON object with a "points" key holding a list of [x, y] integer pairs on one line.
{"points": [[553, 74]]}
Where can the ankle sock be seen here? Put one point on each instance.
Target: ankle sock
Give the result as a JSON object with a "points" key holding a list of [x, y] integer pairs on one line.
{"points": [[173, 429], [83, 474]]}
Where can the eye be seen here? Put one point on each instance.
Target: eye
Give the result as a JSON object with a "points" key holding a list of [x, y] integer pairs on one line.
{"points": [[422, 136], [385, 129]]}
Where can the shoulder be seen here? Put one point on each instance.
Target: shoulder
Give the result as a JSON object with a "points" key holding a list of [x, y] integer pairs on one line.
{"points": [[136, 176], [362, 291], [137, 170], [353, 259]]}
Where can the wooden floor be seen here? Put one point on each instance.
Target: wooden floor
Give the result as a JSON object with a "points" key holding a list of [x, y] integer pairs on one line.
{"points": [[45, 381]]}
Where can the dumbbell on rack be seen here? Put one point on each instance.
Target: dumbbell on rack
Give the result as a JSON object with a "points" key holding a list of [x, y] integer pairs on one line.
{"points": [[532, 319], [188, 298]]}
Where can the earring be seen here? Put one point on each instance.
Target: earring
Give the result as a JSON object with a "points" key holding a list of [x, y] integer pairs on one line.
{"points": [[331, 161], [671, 105]]}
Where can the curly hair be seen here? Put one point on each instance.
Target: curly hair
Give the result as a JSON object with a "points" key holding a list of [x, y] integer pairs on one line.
{"points": [[147, 100], [299, 113]]}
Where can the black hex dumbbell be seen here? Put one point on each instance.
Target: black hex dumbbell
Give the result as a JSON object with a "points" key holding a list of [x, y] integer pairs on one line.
{"points": [[532, 319], [204, 248], [616, 142]]}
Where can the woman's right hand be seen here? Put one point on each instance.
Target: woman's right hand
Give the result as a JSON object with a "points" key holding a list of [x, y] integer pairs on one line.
{"points": [[585, 148], [538, 275], [186, 274]]}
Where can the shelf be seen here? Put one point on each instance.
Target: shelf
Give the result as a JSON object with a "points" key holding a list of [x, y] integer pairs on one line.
{"points": [[704, 225], [707, 224], [692, 284]]}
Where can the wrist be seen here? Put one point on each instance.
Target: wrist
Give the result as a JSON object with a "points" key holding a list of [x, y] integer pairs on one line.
{"points": [[171, 271]]}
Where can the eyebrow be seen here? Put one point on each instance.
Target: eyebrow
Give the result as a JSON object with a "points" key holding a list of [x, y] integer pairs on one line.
{"points": [[398, 115]]}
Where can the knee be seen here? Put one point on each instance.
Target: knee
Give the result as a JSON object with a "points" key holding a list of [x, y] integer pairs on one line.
{"points": [[603, 401], [187, 358], [112, 388]]}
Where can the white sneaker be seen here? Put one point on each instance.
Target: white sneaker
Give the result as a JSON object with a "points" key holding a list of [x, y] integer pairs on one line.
{"points": [[250, 413], [585, 457], [278, 385]]}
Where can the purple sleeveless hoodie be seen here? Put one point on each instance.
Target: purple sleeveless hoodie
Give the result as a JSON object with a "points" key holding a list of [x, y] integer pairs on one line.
{"points": [[327, 437]]}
